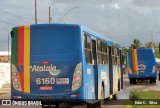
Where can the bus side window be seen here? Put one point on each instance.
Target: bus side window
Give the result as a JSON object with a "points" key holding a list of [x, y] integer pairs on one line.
{"points": [[99, 51], [104, 49], [113, 56], [87, 45], [107, 54], [118, 56]]}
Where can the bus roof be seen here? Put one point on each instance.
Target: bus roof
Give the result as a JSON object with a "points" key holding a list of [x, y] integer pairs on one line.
{"points": [[109, 41], [143, 48]]}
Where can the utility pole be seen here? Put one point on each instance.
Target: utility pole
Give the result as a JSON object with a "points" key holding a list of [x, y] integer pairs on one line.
{"points": [[49, 14], [152, 38], [8, 46], [35, 12]]}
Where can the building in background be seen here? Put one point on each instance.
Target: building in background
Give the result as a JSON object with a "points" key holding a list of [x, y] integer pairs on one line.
{"points": [[5, 56], [5, 68]]}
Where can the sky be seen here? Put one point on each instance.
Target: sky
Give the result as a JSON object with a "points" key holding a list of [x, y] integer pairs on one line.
{"points": [[119, 20]]}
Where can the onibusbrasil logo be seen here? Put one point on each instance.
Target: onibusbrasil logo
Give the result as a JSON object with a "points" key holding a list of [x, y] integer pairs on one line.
{"points": [[51, 69]]}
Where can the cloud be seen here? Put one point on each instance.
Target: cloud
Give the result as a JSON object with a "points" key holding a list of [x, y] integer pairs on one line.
{"points": [[102, 6], [117, 17], [115, 5], [147, 3]]}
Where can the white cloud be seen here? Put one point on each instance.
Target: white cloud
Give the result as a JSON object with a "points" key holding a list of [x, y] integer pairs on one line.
{"points": [[102, 6], [132, 17], [147, 3], [115, 5]]}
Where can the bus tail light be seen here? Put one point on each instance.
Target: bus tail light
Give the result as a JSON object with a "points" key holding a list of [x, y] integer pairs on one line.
{"points": [[153, 69], [130, 70], [15, 79], [77, 77]]}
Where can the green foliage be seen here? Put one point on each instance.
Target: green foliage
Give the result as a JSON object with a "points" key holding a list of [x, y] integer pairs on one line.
{"points": [[136, 44], [124, 52], [134, 95], [150, 94], [157, 54], [137, 95], [156, 49]]}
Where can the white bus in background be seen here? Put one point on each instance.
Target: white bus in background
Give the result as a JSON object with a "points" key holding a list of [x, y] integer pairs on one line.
{"points": [[4, 68], [157, 61], [4, 74]]}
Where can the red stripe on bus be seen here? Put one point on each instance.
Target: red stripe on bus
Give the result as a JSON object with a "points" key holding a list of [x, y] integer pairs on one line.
{"points": [[133, 59], [21, 54]]}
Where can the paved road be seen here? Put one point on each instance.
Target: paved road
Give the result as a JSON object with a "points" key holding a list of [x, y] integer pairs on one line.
{"points": [[123, 94]]}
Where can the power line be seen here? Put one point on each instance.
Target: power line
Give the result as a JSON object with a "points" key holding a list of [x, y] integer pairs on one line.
{"points": [[15, 15], [124, 36], [19, 16], [131, 35], [7, 23]]}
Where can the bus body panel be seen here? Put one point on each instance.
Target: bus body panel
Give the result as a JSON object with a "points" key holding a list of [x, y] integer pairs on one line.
{"points": [[103, 73], [145, 64], [49, 61], [115, 79], [46, 57]]}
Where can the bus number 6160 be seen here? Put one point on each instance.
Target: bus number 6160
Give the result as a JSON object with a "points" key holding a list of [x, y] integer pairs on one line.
{"points": [[45, 81]]}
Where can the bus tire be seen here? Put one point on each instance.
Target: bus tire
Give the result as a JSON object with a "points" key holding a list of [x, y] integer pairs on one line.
{"points": [[115, 96], [154, 80], [134, 81], [57, 105], [131, 81], [151, 80], [89, 105]]}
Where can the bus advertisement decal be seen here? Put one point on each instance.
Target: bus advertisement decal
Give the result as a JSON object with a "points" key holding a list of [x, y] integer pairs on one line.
{"points": [[141, 67], [45, 68]]}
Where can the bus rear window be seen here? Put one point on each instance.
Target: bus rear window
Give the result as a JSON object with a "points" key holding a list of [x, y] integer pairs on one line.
{"points": [[51, 41]]}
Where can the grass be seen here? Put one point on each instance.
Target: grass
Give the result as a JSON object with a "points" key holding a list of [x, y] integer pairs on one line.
{"points": [[142, 95]]}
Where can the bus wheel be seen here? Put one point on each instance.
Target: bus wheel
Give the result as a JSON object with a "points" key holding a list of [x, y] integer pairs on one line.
{"points": [[95, 105], [154, 80], [134, 81], [115, 96], [131, 81], [151, 80], [57, 105], [89, 105]]}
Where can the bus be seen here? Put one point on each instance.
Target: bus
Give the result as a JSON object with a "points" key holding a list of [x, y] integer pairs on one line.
{"points": [[141, 64], [64, 62]]}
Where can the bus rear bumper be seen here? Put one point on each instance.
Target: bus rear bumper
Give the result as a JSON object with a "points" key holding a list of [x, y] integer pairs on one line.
{"points": [[144, 76], [74, 96]]}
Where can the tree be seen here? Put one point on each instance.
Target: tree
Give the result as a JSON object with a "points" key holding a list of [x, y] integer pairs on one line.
{"points": [[136, 44], [159, 47], [150, 45], [153, 45], [124, 53]]}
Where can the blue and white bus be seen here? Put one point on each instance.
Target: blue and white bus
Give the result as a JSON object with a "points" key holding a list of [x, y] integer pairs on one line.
{"points": [[141, 65], [64, 61]]}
